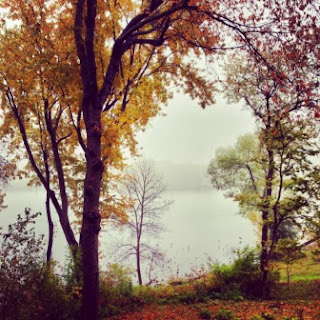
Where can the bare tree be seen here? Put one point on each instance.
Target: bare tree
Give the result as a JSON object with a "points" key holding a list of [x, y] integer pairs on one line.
{"points": [[146, 190]]}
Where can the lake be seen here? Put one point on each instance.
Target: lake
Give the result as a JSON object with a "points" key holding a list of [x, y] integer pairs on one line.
{"points": [[201, 226]]}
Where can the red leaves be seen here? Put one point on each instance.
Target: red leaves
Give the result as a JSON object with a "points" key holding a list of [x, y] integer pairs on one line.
{"points": [[243, 310]]}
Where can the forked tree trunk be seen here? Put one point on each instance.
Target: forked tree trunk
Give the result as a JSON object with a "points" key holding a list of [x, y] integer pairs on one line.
{"points": [[61, 210]]}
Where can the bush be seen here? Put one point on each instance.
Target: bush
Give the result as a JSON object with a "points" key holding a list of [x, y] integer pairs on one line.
{"points": [[205, 314], [118, 279], [200, 290], [241, 279], [264, 316], [45, 298], [29, 289], [224, 314], [116, 291], [188, 297], [268, 316], [73, 274]]}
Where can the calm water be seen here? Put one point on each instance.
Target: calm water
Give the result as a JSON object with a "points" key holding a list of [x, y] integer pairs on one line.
{"points": [[201, 226]]}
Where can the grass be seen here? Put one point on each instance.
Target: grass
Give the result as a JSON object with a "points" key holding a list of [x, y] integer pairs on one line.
{"points": [[304, 270], [297, 290]]}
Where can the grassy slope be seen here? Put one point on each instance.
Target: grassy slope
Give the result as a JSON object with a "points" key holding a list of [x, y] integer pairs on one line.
{"points": [[304, 280], [304, 270]]}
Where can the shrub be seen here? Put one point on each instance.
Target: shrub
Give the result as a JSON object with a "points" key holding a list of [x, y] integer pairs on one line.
{"points": [[264, 316], [242, 278], [225, 285], [205, 314], [45, 298], [268, 316], [187, 297], [116, 291], [200, 290], [118, 279], [73, 273], [224, 314], [29, 289]]}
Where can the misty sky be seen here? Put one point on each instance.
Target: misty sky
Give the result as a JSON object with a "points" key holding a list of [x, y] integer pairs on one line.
{"points": [[183, 142]]}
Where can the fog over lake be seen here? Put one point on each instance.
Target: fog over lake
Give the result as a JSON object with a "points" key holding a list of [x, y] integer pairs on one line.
{"points": [[201, 224]]}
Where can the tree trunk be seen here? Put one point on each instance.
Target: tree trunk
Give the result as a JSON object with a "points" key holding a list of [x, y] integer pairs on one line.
{"points": [[139, 267], [64, 207], [265, 254], [50, 225], [91, 215], [49, 218], [63, 214], [92, 104]]}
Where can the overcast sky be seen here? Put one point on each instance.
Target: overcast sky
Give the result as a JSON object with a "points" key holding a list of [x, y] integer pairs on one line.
{"points": [[184, 141]]}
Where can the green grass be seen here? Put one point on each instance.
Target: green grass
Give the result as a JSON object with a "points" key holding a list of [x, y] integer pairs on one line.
{"points": [[304, 280], [304, 277], [304, 270]]}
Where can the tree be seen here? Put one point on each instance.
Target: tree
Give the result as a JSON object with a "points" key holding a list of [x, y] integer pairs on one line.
{"points": [[277, 100], [43, 104], [35, 104], [299, 23], [288, 198], [145, 190]]}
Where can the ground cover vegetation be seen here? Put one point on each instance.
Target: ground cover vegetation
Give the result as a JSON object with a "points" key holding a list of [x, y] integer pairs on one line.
{"points": [[31, 289], [89, 74]]}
